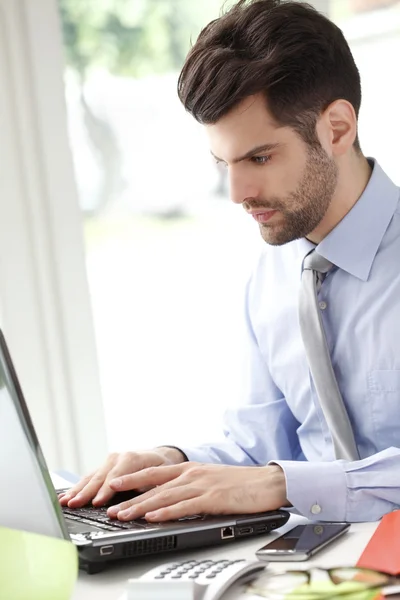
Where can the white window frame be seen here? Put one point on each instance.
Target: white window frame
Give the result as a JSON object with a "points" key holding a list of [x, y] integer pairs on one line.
{"points": [[44, 299]]}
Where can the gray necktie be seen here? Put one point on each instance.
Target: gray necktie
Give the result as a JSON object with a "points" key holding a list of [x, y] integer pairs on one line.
{"points": [[315, 268]]}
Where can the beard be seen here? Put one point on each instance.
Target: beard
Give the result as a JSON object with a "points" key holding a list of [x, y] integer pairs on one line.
{"points": [[303, 209]]}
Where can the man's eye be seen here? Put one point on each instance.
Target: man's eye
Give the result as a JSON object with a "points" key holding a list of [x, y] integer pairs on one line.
{"points": [[260, 160]]}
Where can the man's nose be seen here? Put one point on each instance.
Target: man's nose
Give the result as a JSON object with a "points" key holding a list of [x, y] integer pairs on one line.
{"points": [[241, 189]]}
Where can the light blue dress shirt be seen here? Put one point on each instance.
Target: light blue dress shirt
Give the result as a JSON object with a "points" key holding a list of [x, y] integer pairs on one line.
{"points": [[280, 419]]}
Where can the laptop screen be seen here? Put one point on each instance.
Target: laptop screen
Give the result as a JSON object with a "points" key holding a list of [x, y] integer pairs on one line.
{"points": [[28, 500]]}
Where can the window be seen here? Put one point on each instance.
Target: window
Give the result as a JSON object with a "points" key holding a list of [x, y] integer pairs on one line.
{"points": [[167, 254]]}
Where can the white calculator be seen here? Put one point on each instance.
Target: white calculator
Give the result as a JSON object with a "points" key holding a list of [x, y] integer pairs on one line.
{"points": [[192, 579]]}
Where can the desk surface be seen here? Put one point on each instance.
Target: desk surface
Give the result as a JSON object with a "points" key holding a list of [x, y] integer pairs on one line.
{"points": [[110, 584]]}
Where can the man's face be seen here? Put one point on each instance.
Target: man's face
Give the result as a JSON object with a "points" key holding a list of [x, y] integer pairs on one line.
{"points": [[284, 183]]}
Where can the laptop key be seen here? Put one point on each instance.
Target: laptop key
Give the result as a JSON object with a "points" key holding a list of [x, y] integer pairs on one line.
{"points": [[79, 527], [128, 525], [98, 517]]}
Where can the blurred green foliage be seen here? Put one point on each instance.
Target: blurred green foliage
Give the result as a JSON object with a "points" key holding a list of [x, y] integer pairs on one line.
{"points": [[132, 37]]}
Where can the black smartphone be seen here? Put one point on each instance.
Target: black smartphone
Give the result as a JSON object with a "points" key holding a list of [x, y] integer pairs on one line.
{"points": [[302, 541]]}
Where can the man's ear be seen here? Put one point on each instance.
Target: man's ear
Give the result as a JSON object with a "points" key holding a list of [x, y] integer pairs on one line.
{"points": [[337, 127]]}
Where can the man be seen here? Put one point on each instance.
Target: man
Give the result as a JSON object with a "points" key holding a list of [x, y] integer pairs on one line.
{"points": [[277, 90]]}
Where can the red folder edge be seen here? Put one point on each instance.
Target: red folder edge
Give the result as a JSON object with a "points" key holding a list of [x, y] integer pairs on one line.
{"points": [[383, 550]]}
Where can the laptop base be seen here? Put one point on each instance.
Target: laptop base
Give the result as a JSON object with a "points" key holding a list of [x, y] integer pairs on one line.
{"points": [[96, 556]]}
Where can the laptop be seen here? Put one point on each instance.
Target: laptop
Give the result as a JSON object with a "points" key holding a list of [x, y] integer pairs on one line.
{"points": [[28, 500]]}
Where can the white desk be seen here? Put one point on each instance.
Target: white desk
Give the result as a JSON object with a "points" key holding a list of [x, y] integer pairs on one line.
{"points": [[110, 584]]}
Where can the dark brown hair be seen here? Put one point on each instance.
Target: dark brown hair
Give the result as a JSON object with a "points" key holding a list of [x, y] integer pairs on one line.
{"points": [[287, 51]]}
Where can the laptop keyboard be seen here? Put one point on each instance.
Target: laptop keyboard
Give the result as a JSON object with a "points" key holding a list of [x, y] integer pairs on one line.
{"points": [[97, 517]]}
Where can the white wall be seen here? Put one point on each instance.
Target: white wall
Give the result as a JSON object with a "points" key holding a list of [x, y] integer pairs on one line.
{"points": [[374, 40]]}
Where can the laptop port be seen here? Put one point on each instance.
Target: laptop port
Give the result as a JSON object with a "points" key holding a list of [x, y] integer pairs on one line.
{"points": [[227, 532], [245, 530], [106, 550]]}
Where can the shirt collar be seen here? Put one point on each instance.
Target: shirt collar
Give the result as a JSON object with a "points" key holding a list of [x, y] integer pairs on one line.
{"points": [[352, 245]]}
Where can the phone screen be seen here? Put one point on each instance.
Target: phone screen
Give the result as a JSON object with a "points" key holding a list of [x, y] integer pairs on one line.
{"points": [[305, 538]]}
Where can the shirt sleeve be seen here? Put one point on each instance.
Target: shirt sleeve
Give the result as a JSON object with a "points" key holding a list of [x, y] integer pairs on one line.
{"points": [[252, 433], [362, 490]]}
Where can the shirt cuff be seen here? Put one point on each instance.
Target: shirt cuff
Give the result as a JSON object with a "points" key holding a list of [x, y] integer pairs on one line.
{"points": [[317, 490]]}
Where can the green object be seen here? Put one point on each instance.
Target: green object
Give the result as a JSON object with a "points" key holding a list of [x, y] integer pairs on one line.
{"points": [[36, 567], [321, 590]]}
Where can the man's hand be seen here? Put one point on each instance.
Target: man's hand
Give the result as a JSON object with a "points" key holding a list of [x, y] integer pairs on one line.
{"points": [[193, 488], [96, 486]]}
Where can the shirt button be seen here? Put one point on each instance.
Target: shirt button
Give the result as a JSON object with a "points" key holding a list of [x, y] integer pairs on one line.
{"points": [[316, 509], [322, 305]]}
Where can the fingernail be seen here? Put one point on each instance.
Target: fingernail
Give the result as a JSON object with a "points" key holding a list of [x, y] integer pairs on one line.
{"points": [[124, 514], [98, 498], [113, 511], [116, 483], [152, 515]]}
